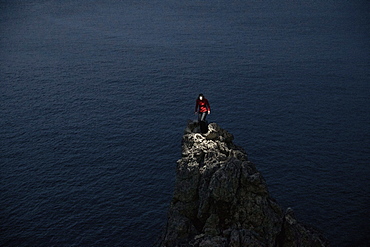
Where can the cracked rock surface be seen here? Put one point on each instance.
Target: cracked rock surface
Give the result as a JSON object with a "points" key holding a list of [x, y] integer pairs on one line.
{"points": [[220, 199]]}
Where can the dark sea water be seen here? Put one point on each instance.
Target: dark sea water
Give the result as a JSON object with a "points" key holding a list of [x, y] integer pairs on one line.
{"points": [[95, 96]]}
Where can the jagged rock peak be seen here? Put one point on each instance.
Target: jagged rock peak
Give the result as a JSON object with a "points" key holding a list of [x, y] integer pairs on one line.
{"points": [[220, 199]]}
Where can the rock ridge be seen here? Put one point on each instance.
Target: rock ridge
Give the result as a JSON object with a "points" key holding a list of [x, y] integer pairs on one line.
{"points": [[221, 199]]}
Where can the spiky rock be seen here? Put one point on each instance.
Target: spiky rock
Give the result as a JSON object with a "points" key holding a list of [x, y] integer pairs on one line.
{"points": [[220, 199]]}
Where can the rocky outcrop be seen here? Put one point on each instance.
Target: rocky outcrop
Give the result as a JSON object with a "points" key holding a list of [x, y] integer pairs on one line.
{"points": [[220, 199]]}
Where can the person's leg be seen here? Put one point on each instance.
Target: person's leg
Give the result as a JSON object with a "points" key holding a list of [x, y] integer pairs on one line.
{"points": [[203, 123], [203, 116]]}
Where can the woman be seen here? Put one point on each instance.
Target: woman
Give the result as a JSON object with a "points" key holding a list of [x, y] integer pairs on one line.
{"points": [[202, 108]]}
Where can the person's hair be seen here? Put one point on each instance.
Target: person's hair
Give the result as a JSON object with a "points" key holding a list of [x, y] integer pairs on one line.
{"points": [[200, 95]]}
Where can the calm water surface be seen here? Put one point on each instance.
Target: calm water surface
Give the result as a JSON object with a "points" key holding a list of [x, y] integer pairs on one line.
{"points": [[95, 97]]}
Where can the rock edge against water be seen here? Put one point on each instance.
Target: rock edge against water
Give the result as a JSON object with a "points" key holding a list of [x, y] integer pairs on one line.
{"points": [[220, 199]]}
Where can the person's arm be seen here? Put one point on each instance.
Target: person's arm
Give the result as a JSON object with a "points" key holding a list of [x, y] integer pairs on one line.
{"points": [[196, 106], [209, 107]]}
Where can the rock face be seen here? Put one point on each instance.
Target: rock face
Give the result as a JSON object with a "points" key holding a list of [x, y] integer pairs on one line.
{"points": [[220, 199]]}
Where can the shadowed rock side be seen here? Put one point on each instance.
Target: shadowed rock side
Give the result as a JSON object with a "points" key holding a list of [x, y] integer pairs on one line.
{"points": [[220, 199]]}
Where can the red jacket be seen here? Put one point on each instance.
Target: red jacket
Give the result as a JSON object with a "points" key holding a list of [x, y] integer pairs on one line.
{"points": [[202, 105]]}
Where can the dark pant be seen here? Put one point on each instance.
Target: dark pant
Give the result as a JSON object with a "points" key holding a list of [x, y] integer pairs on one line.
{"points": [[202, 116]]}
